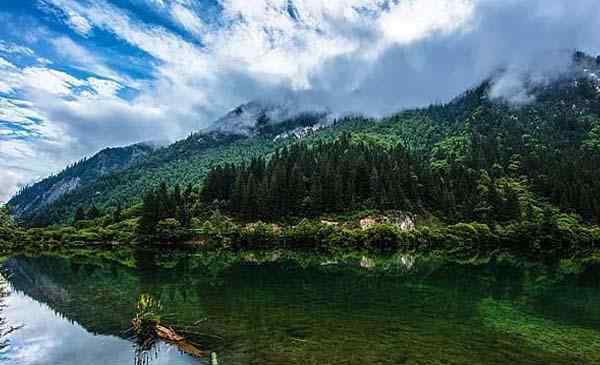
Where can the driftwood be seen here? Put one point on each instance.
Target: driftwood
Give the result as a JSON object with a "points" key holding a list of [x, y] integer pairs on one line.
{"points": [[168, 335]]}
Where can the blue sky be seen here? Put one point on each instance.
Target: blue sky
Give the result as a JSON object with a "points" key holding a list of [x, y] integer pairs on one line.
{"points": [[80, 75]]}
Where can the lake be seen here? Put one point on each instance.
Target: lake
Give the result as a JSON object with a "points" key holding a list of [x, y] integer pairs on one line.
{"points": [[76, 308]]}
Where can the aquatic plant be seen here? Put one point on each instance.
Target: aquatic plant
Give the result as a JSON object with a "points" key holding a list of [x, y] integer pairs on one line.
{"points": [[147, 317], [541, 333]]}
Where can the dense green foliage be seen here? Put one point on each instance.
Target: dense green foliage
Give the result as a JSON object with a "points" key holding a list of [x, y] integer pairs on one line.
{"points": [[8, 230], [338, 176], [328, 177], [159, 205], [471, 160], [560, 236]]}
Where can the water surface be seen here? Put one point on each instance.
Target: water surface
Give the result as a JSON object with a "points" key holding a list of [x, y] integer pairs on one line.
{"points": [[402, 310]]}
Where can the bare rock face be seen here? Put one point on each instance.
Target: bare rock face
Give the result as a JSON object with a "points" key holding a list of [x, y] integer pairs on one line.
{"points": [[56, 190], [62, 187], [49, 190], [366, 223], [404, 222]]}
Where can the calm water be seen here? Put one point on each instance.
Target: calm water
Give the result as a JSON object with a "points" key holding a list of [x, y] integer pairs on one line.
{"points": [[77, 310]]}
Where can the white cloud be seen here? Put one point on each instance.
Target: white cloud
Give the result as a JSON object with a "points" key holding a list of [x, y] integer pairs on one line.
{"points": [[413, 20], [22, 162], [5, 64], [104, 88], [43, 61], [79, 57], [159, 3], [11, 181], [156, 41], [11, 48], [78, 23], [9, 76], [187, 19], [49, 80], [18, 111], [39, 77]]}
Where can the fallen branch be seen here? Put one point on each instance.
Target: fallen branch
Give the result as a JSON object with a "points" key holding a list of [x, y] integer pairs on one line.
{"points": [[148, 328]]}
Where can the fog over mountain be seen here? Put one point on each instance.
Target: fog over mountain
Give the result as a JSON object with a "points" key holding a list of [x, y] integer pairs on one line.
{"points": [[79, 75]]}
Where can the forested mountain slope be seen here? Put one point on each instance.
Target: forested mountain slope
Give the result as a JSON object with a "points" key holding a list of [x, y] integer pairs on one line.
{"points": [[544, 152], [104, 181], [474, 159], [110, 160]]}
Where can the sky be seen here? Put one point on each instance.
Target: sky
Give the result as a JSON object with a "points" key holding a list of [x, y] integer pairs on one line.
{"points": [[80, 75]]}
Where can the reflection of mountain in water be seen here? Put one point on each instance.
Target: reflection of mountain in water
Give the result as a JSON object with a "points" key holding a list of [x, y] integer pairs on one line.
{"points": [[87, 294], [278, 312], [101, 296]]}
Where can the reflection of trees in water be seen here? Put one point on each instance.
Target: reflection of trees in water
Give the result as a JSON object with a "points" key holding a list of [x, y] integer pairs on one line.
{"points": [[267, 306], [5, 328]]}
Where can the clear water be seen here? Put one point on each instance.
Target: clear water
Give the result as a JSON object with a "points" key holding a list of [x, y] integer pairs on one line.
{"points": [[76, 309]]}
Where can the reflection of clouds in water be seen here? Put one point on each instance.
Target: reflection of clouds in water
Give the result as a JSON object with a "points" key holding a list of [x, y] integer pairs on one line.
{"points": [[5, 328], [47, 338]]}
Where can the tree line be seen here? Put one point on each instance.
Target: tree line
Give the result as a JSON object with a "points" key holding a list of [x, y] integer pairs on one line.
{"points": [[345, 175]]}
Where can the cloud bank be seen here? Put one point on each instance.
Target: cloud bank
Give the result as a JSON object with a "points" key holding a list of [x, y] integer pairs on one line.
{"points": [[181, 64]]}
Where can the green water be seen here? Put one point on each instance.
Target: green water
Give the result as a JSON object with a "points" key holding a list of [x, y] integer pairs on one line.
{"points": [[274, 309]]}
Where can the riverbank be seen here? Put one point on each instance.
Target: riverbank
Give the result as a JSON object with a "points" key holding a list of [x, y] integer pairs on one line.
{"points": [[561, 238]]}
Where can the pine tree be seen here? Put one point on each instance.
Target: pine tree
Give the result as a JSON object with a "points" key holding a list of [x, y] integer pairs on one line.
{"points": [[93, 213], [117, 214], [237, 193], [316, 191], [374, 188], [79, 214], [150, 213], [176, 198], [165, 205], [297, 189], [512, 206], [494, 200]]}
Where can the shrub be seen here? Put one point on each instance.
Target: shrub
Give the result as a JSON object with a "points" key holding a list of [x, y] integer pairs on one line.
{"points": [[257, 236], [170, 230], [308, 234], [383, 237]]}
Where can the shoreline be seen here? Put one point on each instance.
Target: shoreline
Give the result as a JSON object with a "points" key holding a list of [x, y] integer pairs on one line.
{"points": [[523, 241]]}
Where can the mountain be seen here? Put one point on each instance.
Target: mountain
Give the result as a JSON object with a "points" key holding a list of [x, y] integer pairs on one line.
{"points": [[551, 141], [120, 175], [109, 160]]}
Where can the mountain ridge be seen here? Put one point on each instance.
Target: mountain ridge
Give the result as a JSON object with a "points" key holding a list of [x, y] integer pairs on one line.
{"points": [[50, 189], [249, 120], [256, 128]]}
